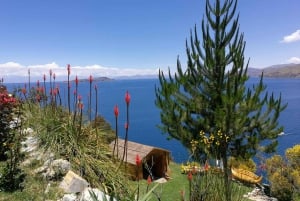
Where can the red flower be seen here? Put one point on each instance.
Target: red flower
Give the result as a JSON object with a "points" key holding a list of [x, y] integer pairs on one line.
{"points": [[182, 194], [138, 160], [206, 166], [24, 90], [80, 106], [149, 180], [38, 98], [54, 92], [76, 80], [190, 176], [116, 111], [127, 97], [91, 79], [69, 69], [42, 90], [126, 125]]}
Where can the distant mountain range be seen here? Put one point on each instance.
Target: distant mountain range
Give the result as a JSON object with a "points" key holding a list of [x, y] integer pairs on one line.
{"points": [[277, 71]]}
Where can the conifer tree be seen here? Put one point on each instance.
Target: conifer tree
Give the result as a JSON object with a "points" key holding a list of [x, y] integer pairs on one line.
{"points": [[207, 105]]}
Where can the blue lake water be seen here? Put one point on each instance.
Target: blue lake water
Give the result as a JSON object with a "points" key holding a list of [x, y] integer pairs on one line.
{"points": [[144, 116]]}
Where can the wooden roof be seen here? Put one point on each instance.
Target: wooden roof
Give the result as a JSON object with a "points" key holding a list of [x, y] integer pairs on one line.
{"points": [[134, 149]]}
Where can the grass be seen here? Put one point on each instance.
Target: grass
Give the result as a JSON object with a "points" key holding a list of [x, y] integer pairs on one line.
{"points": [[178, 184]]}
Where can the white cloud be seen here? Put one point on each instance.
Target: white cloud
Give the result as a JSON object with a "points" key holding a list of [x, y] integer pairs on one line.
{"points": [[294, 60], [15, 72], [292, 37]]}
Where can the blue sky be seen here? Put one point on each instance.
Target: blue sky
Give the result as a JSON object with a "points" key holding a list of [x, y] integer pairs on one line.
{"points": [[127, 37]]}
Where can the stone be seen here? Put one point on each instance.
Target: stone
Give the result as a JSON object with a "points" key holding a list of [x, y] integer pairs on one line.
{"points": [[54, 169], [69, 197], [100, 196], [73, 183]]}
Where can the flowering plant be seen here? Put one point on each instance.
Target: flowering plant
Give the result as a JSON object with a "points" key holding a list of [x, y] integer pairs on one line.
{"points": [[7, 104]]}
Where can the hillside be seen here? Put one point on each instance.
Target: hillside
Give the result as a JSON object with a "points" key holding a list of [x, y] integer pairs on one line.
{"points": [[277, 71]]}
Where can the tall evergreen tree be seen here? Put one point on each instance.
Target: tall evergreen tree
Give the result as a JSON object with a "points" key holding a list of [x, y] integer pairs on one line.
{"points": [[211, 94]]}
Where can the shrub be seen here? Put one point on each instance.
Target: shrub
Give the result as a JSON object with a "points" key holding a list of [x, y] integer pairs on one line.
{"points": [[10, 138], [247, 164], [284, 174]]}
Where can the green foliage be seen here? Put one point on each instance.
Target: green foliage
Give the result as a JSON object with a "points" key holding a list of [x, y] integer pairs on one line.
{"points": [[11, 176], [84, 144], [209, 185], [284, 174], [7, 106], [211, 94], [246, 164]]}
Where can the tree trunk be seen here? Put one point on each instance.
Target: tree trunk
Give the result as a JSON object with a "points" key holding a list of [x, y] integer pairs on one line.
{"points": [[227, 181]]}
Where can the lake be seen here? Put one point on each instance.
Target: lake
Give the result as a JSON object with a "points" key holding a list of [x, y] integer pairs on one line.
{"points": [[144, 116]]}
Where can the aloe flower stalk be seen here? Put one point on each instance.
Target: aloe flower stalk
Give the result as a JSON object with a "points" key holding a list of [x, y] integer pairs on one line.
{"points": [[96, 104], [69, 86], [138, 162], [45, 91], [127, 100], [29, 78], [116, 111], [90, 98]]}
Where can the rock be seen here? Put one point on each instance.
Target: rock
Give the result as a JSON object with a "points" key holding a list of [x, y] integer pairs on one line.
{"points": [[30, 144], [73, 183], [258, 195], [69, 197], [100, 196], [54, 170], [28, 131]]}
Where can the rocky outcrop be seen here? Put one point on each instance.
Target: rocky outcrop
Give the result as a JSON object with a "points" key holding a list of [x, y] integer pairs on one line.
{"points": [[75, 187]]}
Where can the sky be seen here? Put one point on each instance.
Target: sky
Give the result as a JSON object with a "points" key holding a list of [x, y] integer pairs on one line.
{"points": [[131, 37]]}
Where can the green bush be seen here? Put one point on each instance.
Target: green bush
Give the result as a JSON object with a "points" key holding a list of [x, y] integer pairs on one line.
{"points": [[11, 176], [284, 174]]}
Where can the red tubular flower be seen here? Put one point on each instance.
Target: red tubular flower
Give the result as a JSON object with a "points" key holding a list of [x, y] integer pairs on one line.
{"points": [[80, 106], [24, 90], [91, 79], [138, 160], [55, 92], [127, 98], [206, 166], [76, 80], [69, 69], [190, 176], [116, 110], [41, 90], [182, 194], [38, 98], [149, 180]]}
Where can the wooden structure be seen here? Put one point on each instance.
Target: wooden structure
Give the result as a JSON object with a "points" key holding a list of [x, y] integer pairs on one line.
{"points": [[153, 158], [246, 176]]}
